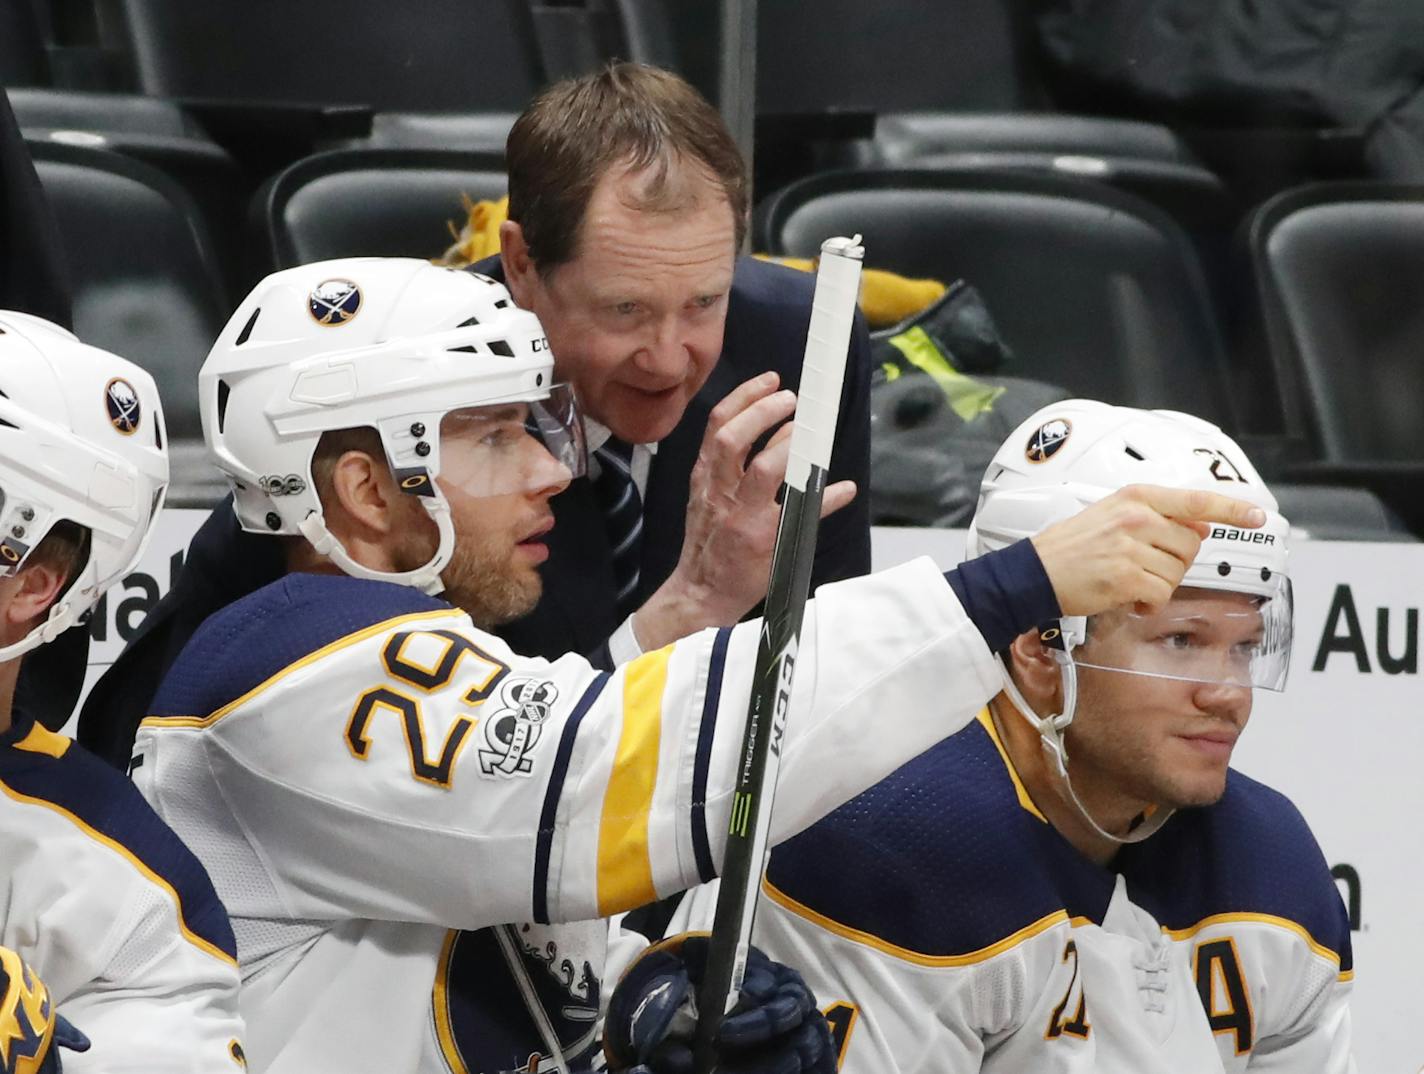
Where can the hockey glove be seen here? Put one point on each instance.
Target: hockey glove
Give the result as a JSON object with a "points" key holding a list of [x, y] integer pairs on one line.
{"points": [[775, 1027], [30, 1029]]}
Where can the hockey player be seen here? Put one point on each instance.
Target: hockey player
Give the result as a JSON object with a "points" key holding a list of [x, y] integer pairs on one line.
{"points": [[1078, 882], [95, 892], [379, 786]]}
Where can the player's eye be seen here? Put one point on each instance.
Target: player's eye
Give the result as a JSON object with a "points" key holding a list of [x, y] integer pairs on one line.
{"points": [[1177, 641]]}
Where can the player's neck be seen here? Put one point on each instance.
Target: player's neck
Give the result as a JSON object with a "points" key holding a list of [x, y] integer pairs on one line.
{"points": [[1038, 772], [9, 675]]}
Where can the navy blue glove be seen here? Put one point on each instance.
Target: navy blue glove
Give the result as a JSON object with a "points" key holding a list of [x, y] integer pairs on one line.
{"points": [[31, 1032], [775, 1027]]}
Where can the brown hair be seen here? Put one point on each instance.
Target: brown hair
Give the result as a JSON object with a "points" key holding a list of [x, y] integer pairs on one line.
{"points": [[627, 113], [65, 548]]}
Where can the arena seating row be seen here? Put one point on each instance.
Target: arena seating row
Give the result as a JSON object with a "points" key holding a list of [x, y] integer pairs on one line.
{"points": [[1092, 287], [1113, 256]]}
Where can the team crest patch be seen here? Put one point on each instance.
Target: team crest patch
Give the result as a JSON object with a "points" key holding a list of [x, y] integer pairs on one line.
{"points": [[515, 728], [1047, 439], [334, 302], [121, 401]]}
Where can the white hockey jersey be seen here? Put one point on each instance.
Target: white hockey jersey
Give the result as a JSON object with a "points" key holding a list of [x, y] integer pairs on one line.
{"points": [[373, 782], [946, 927], [114, 914]]}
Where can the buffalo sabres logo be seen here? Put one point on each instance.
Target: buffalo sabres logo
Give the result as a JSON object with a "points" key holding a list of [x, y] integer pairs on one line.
{"points": [[121, 401], [1047, 439], [334, 302], [512, 733]]}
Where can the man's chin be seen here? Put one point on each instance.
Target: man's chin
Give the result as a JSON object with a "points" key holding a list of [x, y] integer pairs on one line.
{"points": [[645, 418]]}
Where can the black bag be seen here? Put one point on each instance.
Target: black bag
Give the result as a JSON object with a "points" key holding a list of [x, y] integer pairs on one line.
{"points": [[933, 427]]}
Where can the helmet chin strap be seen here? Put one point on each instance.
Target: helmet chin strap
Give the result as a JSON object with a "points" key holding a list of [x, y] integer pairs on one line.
{"points": [[61, 617], [426, 578], [1051, 733]]}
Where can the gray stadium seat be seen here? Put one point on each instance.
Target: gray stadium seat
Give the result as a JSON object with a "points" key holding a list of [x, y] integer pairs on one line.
{"points": [[445, 55], [143, 280], [1092, 288], [379, 202], [1340, 271]]}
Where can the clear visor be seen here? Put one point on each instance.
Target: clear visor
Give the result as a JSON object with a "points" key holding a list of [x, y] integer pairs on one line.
{"points": [[1202, 635], [513, 447]]}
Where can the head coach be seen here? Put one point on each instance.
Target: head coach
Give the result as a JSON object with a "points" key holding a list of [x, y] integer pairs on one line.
{"points": [[628, 202]]}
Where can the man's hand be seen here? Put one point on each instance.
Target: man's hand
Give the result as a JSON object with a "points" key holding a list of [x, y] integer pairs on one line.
{"points": [[775, 1027], [732, 515], [1133, 546]]}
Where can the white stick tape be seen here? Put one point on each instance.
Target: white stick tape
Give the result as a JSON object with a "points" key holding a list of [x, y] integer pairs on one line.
{"points": [[823, 369]]}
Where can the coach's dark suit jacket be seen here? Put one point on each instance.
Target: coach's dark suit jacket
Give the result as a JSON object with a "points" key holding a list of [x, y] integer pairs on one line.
{"points": [[767, 316]]}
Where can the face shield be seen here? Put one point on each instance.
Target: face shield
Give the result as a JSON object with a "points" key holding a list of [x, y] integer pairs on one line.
{"points": [[1202, 635], [516, 447]]}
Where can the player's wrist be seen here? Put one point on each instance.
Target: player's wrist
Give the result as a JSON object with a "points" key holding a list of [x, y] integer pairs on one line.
{"points": [[678, 608]]}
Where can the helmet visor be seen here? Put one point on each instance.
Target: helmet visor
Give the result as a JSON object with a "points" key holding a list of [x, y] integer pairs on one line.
{"points": [[1201, 635], [514, 447]]}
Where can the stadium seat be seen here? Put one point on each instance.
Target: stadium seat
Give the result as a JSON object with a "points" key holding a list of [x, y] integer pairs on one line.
{"points": [[155, 131], [1340, 272], [141, 269], [1092, 288], [385, 202], [456, 56], [477, 132], [22, 45]]}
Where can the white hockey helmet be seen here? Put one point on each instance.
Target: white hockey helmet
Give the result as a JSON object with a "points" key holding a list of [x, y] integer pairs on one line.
{"points": [[1071, 454], [81, 439], [393, 344]]}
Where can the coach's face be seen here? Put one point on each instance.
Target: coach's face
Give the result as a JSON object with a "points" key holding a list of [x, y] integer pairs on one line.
{"points": [[635, 318]]}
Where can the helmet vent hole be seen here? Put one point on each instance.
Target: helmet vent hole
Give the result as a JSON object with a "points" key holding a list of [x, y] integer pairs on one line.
{"points": [[8, 424], [223, 391], [1223, 569], [501, 348], [246, 332], [471, 349], [470, 323], [1134, 453], [157, 436], [502, 303]]}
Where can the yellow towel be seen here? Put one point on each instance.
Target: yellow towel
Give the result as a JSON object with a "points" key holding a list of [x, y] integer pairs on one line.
{"points": [[480, 235], [886, 298]]}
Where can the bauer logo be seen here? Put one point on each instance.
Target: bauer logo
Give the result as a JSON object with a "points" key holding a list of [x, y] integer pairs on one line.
{"points": [[121, 401], [334, 303], [1047, 439], [1226, 533]]}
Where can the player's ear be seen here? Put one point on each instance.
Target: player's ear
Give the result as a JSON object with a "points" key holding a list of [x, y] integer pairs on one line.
{"points": [[520, 275], [365, 496], [31, 592], [1035, 669]]}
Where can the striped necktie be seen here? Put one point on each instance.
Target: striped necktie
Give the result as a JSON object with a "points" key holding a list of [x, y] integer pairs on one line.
{"points": [[622, 517]]}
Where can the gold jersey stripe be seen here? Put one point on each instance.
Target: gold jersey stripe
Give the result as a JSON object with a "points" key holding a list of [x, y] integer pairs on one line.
{"points": [[118, 848], [625, 868]]}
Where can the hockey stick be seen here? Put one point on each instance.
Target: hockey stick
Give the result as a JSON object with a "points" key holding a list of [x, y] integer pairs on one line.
{"points": [[817, 406]]}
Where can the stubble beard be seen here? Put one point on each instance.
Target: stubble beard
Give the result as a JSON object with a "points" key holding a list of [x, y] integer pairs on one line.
{"points": [[489, 586]]}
